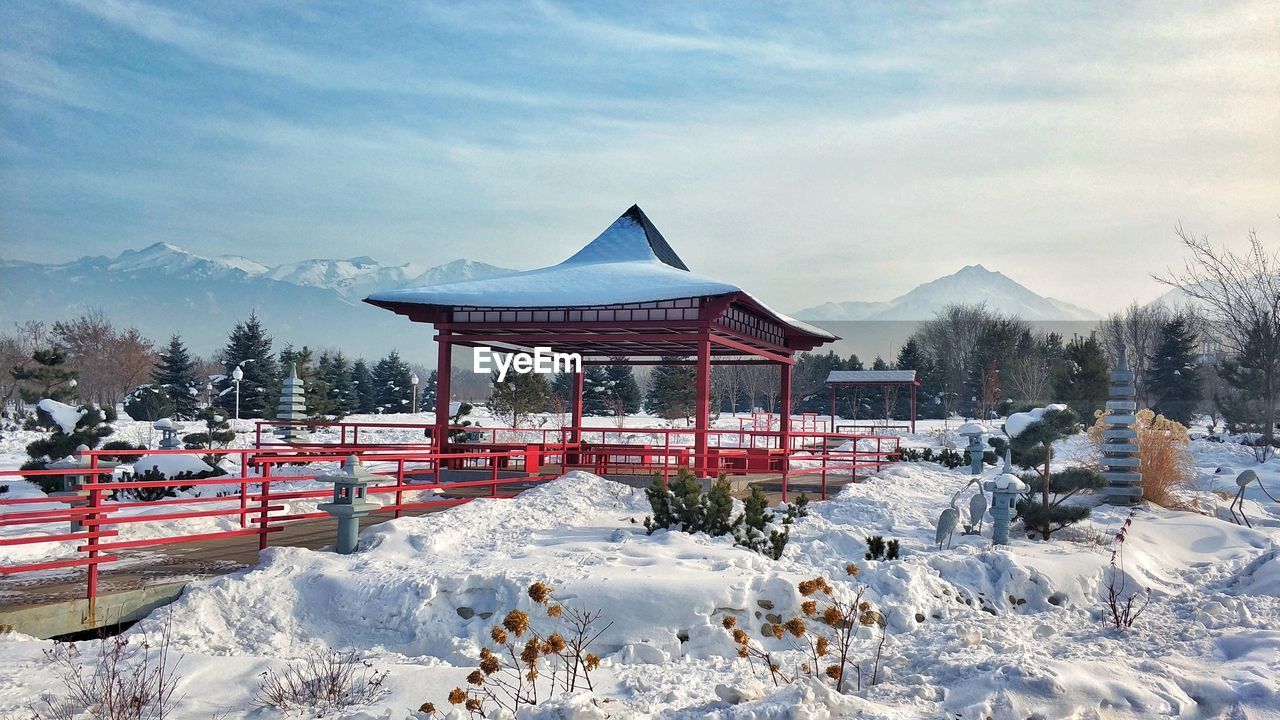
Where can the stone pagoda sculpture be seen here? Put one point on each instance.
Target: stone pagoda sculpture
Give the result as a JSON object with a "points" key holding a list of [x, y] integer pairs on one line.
{"points": [[1120, 462], [293, 406]]}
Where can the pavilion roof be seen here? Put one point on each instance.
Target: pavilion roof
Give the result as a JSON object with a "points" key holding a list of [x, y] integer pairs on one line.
{"points": [[630, 262], [886, 377]]}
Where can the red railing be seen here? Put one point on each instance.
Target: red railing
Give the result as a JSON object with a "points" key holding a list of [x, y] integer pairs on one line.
{"points": [[265, 489]]}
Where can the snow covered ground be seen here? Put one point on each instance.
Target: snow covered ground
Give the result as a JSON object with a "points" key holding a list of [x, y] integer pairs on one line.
{"points": [[973, 631]]}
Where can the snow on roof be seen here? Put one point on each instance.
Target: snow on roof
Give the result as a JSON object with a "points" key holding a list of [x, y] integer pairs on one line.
{"points": [[871, 376], [630, 262]]}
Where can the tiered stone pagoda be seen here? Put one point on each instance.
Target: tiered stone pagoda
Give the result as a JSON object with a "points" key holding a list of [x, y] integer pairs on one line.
{"points": [[293, 406], [1120, 461]]}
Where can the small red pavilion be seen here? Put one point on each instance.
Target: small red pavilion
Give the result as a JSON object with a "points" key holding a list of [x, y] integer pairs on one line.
{"points": [[626, 294]]}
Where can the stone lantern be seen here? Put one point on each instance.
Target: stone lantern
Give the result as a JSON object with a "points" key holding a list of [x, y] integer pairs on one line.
{"points": [[1004, 489], [168, 434], [70, 483], [350, 487], [974, 431]]}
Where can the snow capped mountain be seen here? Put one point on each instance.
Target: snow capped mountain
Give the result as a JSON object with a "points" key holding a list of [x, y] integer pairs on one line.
{"points": [[163, 289], [971, 285], [359, 276]]}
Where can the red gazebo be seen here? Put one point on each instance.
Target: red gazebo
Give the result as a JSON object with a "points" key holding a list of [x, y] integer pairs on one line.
{"points": [[626, 294]]}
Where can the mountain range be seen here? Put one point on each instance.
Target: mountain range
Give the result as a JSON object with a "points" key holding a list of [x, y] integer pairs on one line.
{"points": [[163, 289], [970, 285]]}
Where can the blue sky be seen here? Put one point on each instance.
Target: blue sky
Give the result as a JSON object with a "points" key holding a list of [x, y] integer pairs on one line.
{"points": [[812, 152]]}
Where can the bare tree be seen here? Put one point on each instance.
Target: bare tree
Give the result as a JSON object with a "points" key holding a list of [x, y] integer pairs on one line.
{"points": [[1137, 331], [1240, 294], [110, 361], [1030, 378]]}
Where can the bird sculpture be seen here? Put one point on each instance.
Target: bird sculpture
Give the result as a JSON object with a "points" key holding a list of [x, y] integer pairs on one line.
{"points": [[977, 508], [1243, 480], [947, 522]]}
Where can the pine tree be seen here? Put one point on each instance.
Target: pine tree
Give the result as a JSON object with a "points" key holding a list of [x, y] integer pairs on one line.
{"points": [[624, 388], [217, 432], [1082, 378], [362, 381], [428, 399], [1175, 377], [518, 395], [148, 403], [334, 371], [48, 378], [392, 388], [174, 376], [1244, 395], [929, 394], [1033, 447], [673, 392], [249, 348], [560, 391], [597, 392]]}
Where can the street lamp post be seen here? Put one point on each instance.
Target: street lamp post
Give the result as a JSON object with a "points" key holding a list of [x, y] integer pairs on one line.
{"points": [[413, 380], [208, 394], [236, 376]]}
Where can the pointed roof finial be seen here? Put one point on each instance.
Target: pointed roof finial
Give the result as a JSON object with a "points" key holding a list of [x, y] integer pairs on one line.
{"points": [[1008, 464]]}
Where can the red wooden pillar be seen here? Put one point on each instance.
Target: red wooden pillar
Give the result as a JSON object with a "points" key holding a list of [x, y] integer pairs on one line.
{"points": [[575, 421], [784, 425], [702, 406], [913, 406], [833, 408], [444, 363]]}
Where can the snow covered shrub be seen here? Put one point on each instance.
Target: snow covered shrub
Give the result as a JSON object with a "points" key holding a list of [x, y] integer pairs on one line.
{"points": [[130, 679], [946, 457], [1122, 611], [456, 421], [4, 489], [833, 630], [682, 505], [69, 428], [121, 445], [878, 549], [217, 432], [148, 403], [1057, 514], [151, 494], [527, 666], [1163, 449], [323, 681]]}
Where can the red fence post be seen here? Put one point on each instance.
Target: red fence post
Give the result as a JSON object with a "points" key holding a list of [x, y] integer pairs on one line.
{"points": [[399, 484], [91, 584], [264, 500], [244, 494]]}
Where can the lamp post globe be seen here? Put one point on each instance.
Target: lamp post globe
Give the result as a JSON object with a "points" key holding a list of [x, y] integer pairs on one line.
{"points": [[236, 376]]}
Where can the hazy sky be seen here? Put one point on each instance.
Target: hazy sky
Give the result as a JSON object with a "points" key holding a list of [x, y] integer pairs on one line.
{"points": [[834, 151]]}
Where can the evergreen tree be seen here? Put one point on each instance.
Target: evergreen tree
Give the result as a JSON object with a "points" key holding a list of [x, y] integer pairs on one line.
{"points": [[249, 348], [48, 378], [362, 381], [428, 399], [597, 392], [624, 388], [217, 432], [1033, 447], [392, 388], [673, 391], [149, 403], [1175, 377], [1244, 395], [518, 395], [561, 390], [1082, 378], [334, 371], [174, 376], [929, 394]]}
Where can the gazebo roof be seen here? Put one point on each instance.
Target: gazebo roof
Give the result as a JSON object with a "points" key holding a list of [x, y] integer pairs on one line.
{"points": [[870, 377], [629, 266]]}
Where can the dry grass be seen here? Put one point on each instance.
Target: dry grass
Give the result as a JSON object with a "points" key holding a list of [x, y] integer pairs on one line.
{"points": [[1167, 464]]}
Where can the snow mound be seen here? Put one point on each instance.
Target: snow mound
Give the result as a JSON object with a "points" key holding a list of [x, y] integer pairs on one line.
{"points": [[1019, 422], [171, 465]]}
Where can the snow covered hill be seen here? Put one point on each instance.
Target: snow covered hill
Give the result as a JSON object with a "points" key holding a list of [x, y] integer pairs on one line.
{"points": [[972, 284], [163, 289]]}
